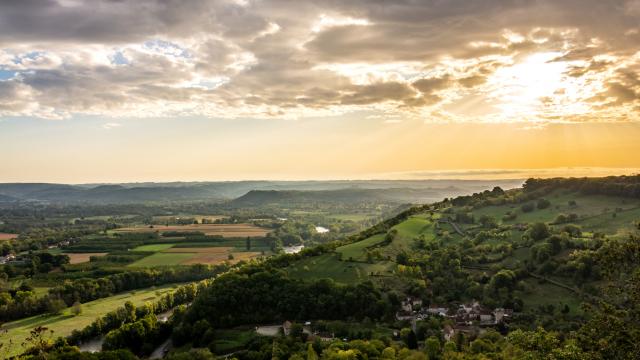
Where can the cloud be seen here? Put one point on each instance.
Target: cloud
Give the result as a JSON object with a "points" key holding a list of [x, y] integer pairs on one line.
{"points": [[111, 125], [277, 58]]}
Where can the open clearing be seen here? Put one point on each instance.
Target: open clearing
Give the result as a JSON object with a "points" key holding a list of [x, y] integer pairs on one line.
{"points": [[6, 236], [64, 324], [213, 259], [153, 247], [408, 230], [328, 266], [225, 230], [194, 255], [201, 250], [356, 250], [77, 258]]}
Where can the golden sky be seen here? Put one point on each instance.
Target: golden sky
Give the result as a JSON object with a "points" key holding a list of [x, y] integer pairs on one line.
{"points": [[243, 89]]}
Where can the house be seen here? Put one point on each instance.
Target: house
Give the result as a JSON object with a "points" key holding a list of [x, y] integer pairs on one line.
{"points": [[437, 310], [286, 327], [411, 304], [486, 317], [448, 332], [502, 315]]}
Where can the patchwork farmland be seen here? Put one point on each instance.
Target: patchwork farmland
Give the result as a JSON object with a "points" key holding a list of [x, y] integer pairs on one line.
{"points": [[170, 254], [224, 230]]}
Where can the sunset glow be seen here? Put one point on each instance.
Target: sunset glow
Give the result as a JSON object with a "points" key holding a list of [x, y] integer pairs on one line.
{"points": [[310, 77]]}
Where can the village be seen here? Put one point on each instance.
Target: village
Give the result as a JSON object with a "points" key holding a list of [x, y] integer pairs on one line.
{"points": [[469, 319]]}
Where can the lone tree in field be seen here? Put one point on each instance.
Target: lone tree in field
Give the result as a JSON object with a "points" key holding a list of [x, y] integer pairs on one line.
{"points": [[76, 308]]}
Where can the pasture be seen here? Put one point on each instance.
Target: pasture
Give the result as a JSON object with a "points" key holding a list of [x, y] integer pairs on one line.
{"points": [[587, 206], [224, 230], [408, 230], [153, 247], [65, 323], [329, 266], [211, 255], [356, 251]]}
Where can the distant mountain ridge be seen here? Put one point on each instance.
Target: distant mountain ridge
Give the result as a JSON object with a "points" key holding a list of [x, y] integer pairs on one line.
{"points": [[350, 195], [243, 191]]}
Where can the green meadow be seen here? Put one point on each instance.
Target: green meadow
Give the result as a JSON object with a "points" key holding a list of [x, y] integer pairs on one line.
{"points": [[65, 323]]}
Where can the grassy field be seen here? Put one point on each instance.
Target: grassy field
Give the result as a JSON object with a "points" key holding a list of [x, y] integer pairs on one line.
{"points": [[211, 255], [161, 259], [64, 324], [408, 230], [586, 206], [548, 294], [329, 266], [154, 247], [225, 230], [229, 340], [356, 251]]}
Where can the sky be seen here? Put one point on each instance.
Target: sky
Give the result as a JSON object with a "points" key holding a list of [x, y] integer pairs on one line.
{"points": [[160, 90]]}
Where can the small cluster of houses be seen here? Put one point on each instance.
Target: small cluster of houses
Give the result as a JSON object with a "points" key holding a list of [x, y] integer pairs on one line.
{"points": [[285, 328], [466, 318], [6, 259], [12, 259]]}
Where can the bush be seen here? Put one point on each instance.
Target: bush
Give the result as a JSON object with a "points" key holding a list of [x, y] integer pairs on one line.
{"points": [[528, 207], [539, 231], [543, 203]]}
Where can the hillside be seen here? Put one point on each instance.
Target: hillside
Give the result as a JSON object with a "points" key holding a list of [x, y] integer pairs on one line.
{"points": [[352, 195], [535, 254]]}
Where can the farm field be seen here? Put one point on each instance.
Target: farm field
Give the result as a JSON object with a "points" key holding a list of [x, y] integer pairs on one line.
{"points": [[154, 247], [78, 258], [64, 324], [197, 217], [225, 230], [211, 255], [7, 236]]}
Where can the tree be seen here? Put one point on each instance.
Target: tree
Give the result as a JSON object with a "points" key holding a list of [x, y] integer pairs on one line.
{"points": [[39, 340], [528, 207], [56, 306], [402, 258], [412, 340], [311, 353], [76, 308], [488, 221], [539, 231], [543, 204], [432, 347]]}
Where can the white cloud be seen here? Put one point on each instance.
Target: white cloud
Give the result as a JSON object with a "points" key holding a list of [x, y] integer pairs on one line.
{"points": [[286, 59], [111, 125]]}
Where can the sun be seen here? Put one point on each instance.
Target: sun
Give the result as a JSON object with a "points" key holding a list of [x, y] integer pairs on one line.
{"points": [[523, 87]]}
